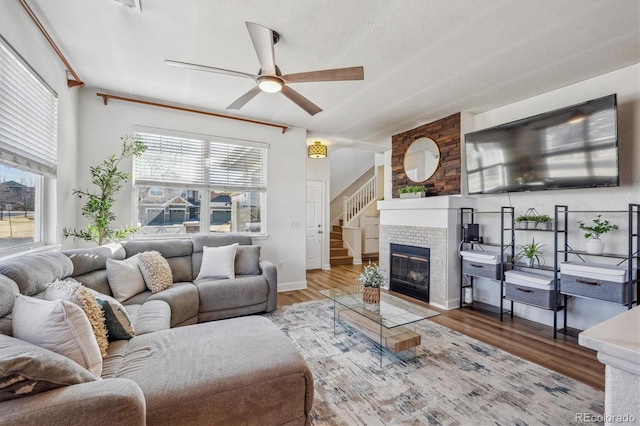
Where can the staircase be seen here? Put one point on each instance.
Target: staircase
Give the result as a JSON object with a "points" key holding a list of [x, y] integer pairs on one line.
{"points": [[338, 254], [352, 208]]}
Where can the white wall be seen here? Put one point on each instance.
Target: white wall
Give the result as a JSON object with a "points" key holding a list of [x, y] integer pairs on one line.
{"points": [[100, 130], [626, 83], [20, 32], [347, 165]]}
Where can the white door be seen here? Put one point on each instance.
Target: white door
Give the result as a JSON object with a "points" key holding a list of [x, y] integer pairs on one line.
{"points": [[315, 225]]}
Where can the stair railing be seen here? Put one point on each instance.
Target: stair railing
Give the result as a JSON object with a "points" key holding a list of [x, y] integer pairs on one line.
{"points": [[361, 199]]}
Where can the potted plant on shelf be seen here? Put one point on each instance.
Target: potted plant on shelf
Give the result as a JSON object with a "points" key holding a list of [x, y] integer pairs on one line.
{"points": [[543, 221], [532, 252], [371, 280], [522, 221], [411, 191], [592, 234]]}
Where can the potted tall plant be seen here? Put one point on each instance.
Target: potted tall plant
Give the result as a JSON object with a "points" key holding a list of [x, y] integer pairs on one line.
{"points": [[109, 179], [371, 280], [593, 232]]}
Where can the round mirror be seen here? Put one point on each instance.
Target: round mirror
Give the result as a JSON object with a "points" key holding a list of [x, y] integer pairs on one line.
{"points": [[421, 159]]}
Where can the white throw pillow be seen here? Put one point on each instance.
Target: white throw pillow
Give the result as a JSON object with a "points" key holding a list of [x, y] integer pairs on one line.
{"points": [[218, 262], [125, 278], [60, 326]]}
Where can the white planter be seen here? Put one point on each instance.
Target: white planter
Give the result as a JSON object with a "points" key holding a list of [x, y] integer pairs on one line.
{"points": [[595, 246], [412, 195]]}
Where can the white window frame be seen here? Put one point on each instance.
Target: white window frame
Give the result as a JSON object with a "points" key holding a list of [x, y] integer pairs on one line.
{"points": [[32, 148], [203, 187]]}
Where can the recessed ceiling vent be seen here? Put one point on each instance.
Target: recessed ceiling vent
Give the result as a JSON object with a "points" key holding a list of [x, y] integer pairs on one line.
{"points": [[133, 4]]}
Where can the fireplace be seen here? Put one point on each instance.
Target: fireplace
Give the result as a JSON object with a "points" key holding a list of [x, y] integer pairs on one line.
{"points": [[410, 270]]}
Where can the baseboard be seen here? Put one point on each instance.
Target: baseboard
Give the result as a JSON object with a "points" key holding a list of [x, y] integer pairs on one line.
{"points": [[300, 285], [326, 267]]}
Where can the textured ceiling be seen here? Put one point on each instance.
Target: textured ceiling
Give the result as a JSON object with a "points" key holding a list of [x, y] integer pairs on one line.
{"points": [[423, 60]]}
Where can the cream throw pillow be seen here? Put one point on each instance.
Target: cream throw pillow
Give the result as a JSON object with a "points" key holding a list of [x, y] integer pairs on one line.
{"points": [[73, 291], [125, 278], [60, 326], [218, 262], [155, 270]]}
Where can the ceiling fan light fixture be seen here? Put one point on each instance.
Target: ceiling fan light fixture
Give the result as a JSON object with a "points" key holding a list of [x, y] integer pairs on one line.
{"points": [[270, 84], [317, 150]]}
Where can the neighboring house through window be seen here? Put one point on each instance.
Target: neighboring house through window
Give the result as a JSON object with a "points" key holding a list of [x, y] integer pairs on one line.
{"points": [[28, 147], [187, 184]]}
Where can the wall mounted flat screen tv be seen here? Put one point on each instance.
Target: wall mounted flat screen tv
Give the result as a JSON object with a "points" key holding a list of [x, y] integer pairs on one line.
{"points": [[572, 147]]}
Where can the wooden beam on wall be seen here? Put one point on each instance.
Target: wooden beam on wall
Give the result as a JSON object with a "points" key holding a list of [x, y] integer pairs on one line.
{"points": [[105, 98]]}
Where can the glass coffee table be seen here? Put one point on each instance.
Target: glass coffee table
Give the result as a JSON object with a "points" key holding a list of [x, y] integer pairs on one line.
{"points": [[391, 323]]}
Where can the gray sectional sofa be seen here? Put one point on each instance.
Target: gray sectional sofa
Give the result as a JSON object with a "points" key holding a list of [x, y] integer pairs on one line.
{"points": [[197, 357]]}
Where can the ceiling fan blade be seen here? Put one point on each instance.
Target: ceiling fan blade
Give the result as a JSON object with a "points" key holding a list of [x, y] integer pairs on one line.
{"points": [[301, 101], [338, 74], [242, 100], [197, 67], [262, 38]]}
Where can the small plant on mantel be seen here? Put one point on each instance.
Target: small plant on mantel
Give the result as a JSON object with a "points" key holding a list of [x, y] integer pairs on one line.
{"points": [[109, 180], [411, 189]]}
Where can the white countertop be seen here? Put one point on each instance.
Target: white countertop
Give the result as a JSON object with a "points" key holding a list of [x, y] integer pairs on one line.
{"points": [[617, 340]]}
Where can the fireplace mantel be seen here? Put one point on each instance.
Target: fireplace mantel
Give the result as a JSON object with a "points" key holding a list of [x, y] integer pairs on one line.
{"points": [[434, 212]]}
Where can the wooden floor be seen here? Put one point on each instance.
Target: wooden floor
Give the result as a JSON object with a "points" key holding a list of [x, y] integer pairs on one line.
{"points": [[526, 339]]}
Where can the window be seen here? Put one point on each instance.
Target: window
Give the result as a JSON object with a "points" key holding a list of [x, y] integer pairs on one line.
{"points": [[175, 172], [28, 146]]}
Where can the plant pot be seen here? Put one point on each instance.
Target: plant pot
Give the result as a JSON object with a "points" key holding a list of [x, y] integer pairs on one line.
{"points": [[531, 224], [595, 246], [544, 225], [412, 195], [371, 294]]}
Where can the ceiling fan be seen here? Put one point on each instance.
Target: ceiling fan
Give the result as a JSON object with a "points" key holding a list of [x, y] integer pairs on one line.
{"points": [[269, 78]]}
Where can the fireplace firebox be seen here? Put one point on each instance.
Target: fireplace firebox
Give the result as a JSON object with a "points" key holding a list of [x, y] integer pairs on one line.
{"points": [[410, 270]]}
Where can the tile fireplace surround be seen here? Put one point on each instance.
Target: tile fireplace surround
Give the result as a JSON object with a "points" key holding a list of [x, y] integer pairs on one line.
{"points": [[431, 222]]}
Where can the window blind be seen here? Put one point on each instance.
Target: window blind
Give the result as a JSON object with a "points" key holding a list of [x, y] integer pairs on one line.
{"points": [[190, 162], [28, 116]]}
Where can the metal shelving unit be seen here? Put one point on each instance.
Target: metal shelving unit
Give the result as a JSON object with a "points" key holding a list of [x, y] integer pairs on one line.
{"points": [[507, 236], [562, 251]]}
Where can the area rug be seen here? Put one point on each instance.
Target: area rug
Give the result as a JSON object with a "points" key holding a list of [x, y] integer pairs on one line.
{"points": [[452, 379]]}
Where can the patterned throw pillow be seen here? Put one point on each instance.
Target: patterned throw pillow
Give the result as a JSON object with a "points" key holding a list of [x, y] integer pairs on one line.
{"points": [[26, 369], [59, 326], [73, 291], [155, 270], [116, 318]]}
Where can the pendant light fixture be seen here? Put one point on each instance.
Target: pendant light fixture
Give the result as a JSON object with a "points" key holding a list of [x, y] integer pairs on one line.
{"points": [[317, 150]]}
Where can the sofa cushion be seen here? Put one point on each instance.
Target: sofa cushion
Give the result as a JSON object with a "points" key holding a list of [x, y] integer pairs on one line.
{"points": [[247, 260], [183, 300], [125, 278], [218, 262], [96, 280], [154, 315], [116, 318], [32, 272], [26, 369], [231, 370], [155, 270], [230, 294], [8, 291], [88, 260], [59, 326], [73, 291]]}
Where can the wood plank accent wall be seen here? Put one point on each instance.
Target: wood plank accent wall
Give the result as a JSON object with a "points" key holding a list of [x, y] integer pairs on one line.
{"points": [[446, 134]]}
